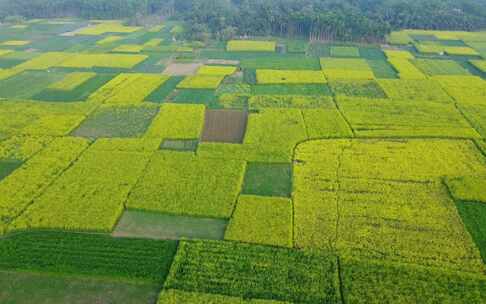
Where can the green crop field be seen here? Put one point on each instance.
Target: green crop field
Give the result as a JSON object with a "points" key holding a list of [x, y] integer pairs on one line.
{"points": [[140, 164]]}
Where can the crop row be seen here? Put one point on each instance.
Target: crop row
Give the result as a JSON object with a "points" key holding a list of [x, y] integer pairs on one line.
{"points": [[89, 196], [31, 179], [229, 272], [382, 118], [181, 183], [249, 271], [377, 216], [88, 254]]}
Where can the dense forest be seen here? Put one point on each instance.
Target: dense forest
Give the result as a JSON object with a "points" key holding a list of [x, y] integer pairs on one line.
{"points": [[357, 20]]}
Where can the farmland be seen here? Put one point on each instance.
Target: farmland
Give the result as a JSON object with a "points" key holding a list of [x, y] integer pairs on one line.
{"points": [[139, 166]]}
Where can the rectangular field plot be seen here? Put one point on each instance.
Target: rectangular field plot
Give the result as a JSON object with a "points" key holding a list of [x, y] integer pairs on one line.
{"points": [[258, 272], [406, 69], [266, 179], [128, 88], [262, 220], [216, 70], [83, 198], [429, 232], [287, 125], [227, 126], [342, 74], [366, 281], [206, 97], [182, 184], [111, 121], [372, 53], [391, 201], [252, 46], [289, 101], [64, 253], [42, 62], [175, 121], [382, 69], [417, 160], [184, 145], [289, 77], [281, 62], [122, 61], [182, 69], [344, 51], [139, 224], [27, 84], [360, 88], [294, 89], [382, 118], [419, 90], [326, 122], [201, 82], [41, 119], [440, 67], [106, 27], [349, 64]]}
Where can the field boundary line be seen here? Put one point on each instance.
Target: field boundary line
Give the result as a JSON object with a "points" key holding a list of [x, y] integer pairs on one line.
{"points": [[336, 105], [340, 279]]}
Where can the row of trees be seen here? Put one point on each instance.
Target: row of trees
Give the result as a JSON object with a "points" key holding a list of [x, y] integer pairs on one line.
{"points": [[357, 20]]}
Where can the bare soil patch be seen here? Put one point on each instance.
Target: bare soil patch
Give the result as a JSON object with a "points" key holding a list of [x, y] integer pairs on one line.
{"points": [[182, 69], [223, 61], [227, 126]]}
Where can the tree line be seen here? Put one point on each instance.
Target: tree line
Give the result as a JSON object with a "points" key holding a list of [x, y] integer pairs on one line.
{"points": [[347, 20]]}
